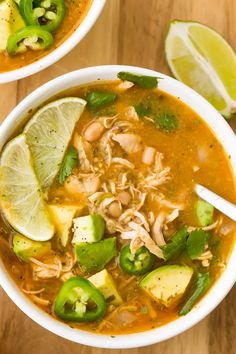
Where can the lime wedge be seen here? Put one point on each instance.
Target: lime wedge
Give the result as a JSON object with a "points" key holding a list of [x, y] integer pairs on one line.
{"points": [[202, 59], [48, 134], [20, 196]]}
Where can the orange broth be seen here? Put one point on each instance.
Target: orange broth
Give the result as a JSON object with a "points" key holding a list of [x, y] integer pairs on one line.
{"points": [[195, 156], [76, 12]]}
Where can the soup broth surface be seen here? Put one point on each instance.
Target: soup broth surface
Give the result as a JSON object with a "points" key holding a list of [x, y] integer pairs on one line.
{"points": [[188, 154], [76, 11]]}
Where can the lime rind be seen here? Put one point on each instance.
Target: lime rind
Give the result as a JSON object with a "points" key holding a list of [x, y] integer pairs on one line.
{"points": [[20, 195], [202, 77], [48, 134]]}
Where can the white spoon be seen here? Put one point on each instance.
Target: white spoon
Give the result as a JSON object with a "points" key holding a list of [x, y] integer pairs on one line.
{"points": [[218, 202]]}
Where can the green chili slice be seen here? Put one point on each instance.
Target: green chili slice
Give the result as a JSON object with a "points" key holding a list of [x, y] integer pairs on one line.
{"points": [[79, 301], [148, 82], [31, 37], [136, 264], [98, 99], [48, 14], [202, 284]]}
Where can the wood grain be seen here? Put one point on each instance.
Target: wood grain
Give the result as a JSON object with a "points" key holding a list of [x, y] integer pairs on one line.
{"points": [[128, 32]]}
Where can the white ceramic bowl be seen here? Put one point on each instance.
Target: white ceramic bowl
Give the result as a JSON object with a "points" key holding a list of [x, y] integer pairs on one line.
{"points": [[216, 293], [59, 52]]}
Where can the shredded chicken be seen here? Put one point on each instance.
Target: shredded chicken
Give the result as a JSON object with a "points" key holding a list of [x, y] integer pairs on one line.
{"points": [[51, 266], [157, 228], [107, 121], [135, 244], [131, 113], [66, 276], [32, 292], [205, 255], [39, 300], [130, 143], [141, 219], [171, 217], [146, 238], [167, 203], [125, 85], [161, 224], [84, 153], [124, 162], [82, 186], [205, 228]]}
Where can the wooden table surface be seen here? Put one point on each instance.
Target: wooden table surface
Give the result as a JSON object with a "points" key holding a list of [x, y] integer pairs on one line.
{"points": [[128, 32]]}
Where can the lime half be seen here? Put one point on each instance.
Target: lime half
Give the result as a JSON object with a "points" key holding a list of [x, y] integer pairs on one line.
{"points": [[202, 59], [20, 196], [48, 134]]}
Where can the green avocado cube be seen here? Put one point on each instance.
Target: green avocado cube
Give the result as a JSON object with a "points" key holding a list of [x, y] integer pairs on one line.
{"points": [[25, 248], [88, 228], [204, 212], [105, 283], [93, 257], [167, 284], [10, 21]]}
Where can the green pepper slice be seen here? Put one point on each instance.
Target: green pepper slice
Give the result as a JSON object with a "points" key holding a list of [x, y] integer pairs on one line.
{"points": [[136, 264], [32, 37], [48, 14], [202, 284], [79, 301]]}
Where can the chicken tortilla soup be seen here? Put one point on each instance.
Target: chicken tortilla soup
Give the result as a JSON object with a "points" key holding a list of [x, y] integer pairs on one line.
{"points": [[100, 226], [32, 29]]}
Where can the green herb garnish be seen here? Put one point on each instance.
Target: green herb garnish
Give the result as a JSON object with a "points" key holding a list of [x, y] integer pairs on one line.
{"points": [[196, 243], [98, 99], [177, 244], [142, 110], [148, 82], [69, 163], [202, 284], [166, 121]]}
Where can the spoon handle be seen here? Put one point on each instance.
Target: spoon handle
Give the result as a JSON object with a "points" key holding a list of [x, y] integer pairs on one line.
{"points": [[218, 202]]}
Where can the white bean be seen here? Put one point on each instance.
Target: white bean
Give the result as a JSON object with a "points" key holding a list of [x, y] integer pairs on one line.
{"points": [[149, 155], [124, 197], [94, 131], [115, 209]]}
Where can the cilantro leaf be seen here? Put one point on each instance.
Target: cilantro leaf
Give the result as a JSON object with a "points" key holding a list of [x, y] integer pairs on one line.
{"points": [[98, 99], [142, 110], [177, 244], [196, 243], [166, 121], [69, 163]]}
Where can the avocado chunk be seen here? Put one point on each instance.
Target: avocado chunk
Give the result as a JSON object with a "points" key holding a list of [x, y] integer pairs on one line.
{"points": [[25, 248], [62, 216], [10, 21], [93, 257], [105, 283], [204, 212], [167, 284], [88, 228]]}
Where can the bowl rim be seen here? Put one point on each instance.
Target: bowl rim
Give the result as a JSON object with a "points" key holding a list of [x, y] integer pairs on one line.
{"points": [[222, 286], [59, 52]]}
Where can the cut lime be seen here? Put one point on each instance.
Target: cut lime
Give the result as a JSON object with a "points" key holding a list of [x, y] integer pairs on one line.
{"points": [[48, 134], [203, 60], [20, 196]]}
